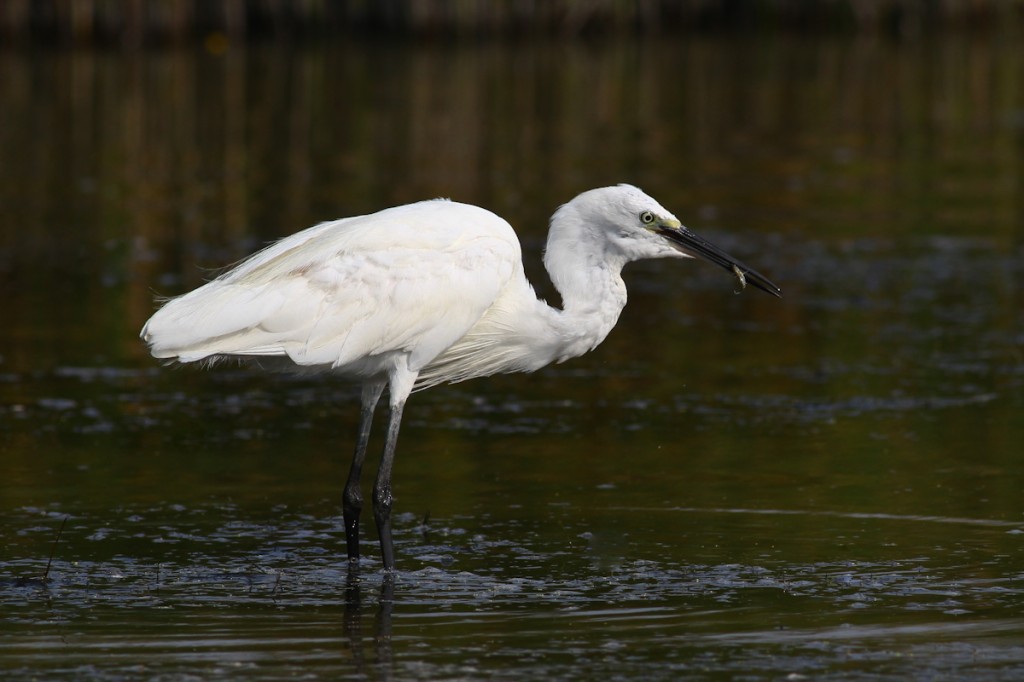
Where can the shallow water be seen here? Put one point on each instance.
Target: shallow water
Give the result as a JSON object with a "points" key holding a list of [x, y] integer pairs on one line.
{"points": [[825, 486], [223, 590]]}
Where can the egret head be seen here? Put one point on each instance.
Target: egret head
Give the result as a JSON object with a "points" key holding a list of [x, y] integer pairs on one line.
{"points": [[631, 225]]}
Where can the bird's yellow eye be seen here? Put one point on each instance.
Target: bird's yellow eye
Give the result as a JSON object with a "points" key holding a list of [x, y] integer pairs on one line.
{"points": [[647, 217]]}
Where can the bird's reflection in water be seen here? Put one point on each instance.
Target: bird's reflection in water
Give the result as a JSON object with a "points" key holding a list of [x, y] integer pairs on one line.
{"points": [[382, 660]]}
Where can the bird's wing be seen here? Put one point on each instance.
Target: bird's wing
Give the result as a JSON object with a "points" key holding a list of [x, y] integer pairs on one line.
{"points": [[413, 279]]}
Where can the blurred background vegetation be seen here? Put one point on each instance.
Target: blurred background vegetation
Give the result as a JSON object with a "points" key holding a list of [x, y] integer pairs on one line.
{"points": [[139, 22]]}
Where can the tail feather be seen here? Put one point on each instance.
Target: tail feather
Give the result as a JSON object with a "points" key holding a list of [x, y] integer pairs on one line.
{"points": [[217, 319]]}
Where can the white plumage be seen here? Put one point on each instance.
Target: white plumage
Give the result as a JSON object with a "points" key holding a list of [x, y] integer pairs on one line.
{"points": [[423, 294], [346, 295]]}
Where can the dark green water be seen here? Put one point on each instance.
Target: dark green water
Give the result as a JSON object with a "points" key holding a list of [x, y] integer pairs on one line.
{"points": [[826, 486]]}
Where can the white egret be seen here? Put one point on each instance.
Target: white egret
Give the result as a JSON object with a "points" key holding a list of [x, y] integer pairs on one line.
{"points": [[424, 294]]}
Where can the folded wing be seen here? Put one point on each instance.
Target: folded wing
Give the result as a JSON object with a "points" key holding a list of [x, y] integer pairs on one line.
{"points": [[413, 280]]}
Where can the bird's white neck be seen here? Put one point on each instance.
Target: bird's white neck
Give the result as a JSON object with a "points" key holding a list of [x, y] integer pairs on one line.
{"points": [[521, 333], [588, 275]]}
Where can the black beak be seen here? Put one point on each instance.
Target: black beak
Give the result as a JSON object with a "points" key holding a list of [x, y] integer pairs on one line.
{"points": [[692, 245]]}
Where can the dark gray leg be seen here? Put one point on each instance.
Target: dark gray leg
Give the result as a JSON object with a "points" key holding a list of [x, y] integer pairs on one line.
{"points": [[352, 500], [382, 488]]}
